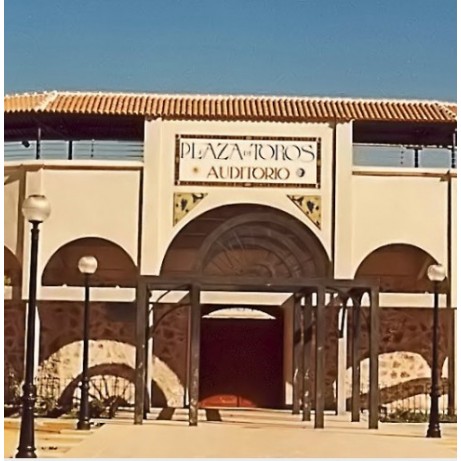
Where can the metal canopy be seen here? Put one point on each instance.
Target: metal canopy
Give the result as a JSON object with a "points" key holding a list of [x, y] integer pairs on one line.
{"points": [[309, 316]]}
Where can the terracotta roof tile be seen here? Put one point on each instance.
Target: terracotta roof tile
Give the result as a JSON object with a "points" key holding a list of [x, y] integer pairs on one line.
{"points": [[257, 108]]}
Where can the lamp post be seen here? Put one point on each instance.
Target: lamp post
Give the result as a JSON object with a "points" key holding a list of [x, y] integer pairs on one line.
{"points": [[36, 210], [436, 274], [87, 265]]}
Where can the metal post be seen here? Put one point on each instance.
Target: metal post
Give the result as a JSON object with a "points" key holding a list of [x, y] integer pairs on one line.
{"points": [[70, 150], [453, 151], [434, 423], [147, 365], [320, 359], [417, 149], [84, 414], [374, 341], [194, 363], [26, 448], [355, 398], [297, 354], [38, 143], [140, 372], [342, 357], [451, 360], [307, 350]]}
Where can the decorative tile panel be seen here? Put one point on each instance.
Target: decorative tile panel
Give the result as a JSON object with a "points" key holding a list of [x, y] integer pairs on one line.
{"points": [[185, 202], [310, 205]]}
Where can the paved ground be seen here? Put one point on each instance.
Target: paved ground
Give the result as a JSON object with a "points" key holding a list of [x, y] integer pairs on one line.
{"points": [[53, 437], [261, 434]]}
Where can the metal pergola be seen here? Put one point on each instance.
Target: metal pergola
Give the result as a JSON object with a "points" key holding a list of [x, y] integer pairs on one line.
{"points": [[309, 315]]}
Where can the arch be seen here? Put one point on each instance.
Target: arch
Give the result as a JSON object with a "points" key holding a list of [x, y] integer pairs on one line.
{"points": [[115, 266], [107, 357], [117, 370], [12, 272], [254, 312], [404, 379], [400, 268], [247, 239]]}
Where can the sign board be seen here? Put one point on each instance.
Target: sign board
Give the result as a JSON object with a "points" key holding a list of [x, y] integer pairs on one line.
{"points": [[247, 161]]}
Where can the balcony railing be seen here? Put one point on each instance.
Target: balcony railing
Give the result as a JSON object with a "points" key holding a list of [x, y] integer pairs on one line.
{"points": [[404, 156], [70, 150], [363, 154]]}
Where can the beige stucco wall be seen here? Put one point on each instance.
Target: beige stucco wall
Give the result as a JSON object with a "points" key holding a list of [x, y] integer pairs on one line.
{"points": [[87, 199], [398, 209], [159, 155], [101, 199], [13, 181]]}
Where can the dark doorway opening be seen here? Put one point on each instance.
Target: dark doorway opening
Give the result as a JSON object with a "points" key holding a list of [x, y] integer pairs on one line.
{"points": [[241, 362]]}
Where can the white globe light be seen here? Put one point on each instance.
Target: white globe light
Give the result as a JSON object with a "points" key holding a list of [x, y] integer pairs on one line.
{"points": [[436, 273], [36, 208], [87, 265]]}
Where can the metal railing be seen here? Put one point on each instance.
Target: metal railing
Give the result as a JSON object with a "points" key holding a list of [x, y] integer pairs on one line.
{"points": [[420, 402], [404, 156], [363, 154], [70, 150], [51, 389]]}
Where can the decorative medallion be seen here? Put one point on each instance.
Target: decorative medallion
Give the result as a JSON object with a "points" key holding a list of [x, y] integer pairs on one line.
{"points": [[310, 205], [183, 203]]}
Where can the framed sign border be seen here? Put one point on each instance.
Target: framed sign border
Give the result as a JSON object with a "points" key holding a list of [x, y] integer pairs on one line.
{"points": [[315, 185]]}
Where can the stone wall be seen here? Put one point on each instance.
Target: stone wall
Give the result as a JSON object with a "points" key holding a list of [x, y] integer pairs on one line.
{"points": [[405, 349], [405, 355], [170, 353], [14, 318]]}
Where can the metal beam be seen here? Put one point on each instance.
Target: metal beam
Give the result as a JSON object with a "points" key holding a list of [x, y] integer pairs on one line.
{"points": [[320, 359], [194, 363], [374, 336], [253, 284], [140, 371], [307, 351]]}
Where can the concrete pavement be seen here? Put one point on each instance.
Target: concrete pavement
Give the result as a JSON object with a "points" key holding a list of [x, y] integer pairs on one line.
{"points": [[240, 433]]}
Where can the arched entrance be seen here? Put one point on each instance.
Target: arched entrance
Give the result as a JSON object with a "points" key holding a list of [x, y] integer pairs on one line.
{"points": [[242, 359]]}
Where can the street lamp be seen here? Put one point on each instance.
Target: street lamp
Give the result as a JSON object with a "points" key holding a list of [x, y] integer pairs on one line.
{"points": [[87, 265], [36, 210], [436, 274]]}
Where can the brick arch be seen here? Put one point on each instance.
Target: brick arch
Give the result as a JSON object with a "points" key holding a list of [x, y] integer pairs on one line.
{"points": [[115, 266], [261, 241], [400, 268]]}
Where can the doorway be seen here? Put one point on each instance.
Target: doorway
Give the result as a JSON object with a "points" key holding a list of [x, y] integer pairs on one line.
{"points": [[241, 362]]}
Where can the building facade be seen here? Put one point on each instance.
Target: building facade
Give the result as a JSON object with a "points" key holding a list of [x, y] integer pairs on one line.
{"points": [[229, 186]]}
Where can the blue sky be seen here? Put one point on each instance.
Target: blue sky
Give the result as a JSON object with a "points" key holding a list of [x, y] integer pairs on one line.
{"points": [[367, 48]]}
